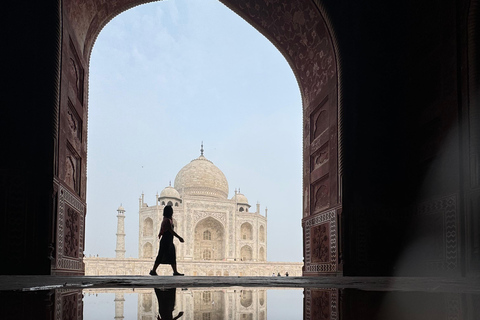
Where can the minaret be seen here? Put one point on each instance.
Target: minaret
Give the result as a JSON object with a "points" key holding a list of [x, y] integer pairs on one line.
{"points": [[120, 250], [119, 302]]}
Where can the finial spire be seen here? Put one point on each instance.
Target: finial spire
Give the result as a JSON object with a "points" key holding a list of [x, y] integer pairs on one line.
{"points": [[201, 150], [170, 183]]}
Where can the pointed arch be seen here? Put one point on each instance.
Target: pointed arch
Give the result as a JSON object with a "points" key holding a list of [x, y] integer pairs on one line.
{"points": [[246, 231], [147, 250], [209, 236], [246, 253], [148, 227]]}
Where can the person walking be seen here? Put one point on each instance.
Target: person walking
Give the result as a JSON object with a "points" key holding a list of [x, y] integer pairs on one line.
{"points": [[166, 251]]}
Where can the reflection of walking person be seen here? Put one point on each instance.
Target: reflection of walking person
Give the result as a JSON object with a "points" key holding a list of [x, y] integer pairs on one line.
{"points": [[166, 252], [166, 304]]}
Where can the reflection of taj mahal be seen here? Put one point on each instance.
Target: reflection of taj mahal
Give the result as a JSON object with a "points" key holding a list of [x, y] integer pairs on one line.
{"points": [[195, 303], [201, 304], [214, 227], [223, 237]]}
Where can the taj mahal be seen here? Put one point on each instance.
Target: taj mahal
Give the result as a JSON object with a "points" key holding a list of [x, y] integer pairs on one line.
{"points": [[223, 236]]}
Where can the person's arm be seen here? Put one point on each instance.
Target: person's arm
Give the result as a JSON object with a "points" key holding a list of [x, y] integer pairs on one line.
{"points": [[169, 228], [161, 228]]}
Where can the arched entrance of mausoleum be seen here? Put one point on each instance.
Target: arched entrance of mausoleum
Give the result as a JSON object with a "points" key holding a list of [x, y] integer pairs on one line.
{"points": [[209, 241]]}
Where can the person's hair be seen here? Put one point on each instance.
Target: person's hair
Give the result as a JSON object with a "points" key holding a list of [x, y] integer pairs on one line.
{"points": [[168, 211]]}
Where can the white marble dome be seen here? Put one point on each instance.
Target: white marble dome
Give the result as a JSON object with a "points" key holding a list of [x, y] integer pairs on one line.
{"points": [[169, 192], [241, 199], [201, 178]]}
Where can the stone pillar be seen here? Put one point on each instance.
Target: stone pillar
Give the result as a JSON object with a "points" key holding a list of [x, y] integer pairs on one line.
{"points": [[119, 302], [120, 250]]}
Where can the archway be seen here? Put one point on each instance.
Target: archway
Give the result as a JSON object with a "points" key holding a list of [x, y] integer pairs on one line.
{"points": [[209, 240], [261, 254], [147, 250], [246, 298], [295, 195], [319, 62], [261, 234], [246, 253], [305, 41], [246, 231], [148, 227]]}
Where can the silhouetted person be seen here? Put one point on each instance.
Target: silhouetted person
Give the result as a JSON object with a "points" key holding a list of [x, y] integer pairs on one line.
{"points": [[286, 274], [166, 251], [278, 275], [166, 304]]}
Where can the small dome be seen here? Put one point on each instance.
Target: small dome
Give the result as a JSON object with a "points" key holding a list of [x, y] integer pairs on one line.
{"points": [[169, 192], [202, 178], [241, 199], [121, 208]]}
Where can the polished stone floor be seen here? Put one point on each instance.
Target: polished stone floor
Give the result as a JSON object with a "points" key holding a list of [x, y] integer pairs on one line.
{"points": [[233, 298], [32, 283]]}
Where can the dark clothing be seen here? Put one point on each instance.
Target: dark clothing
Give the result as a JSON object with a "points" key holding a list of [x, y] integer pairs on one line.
{"points": [[166, 251]]}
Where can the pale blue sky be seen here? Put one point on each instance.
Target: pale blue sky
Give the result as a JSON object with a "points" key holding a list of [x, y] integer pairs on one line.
{"points": [[165, 76]]}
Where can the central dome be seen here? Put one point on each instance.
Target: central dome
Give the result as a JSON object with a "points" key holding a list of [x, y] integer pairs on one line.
{"points": [[201, 178]]}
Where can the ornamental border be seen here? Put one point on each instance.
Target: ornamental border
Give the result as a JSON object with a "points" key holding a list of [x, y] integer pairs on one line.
{"points": [[71, 263], [328, 217]]}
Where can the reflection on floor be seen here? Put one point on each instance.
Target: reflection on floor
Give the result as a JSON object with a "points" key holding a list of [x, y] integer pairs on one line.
{"points": [[349, 304], [244, 303], [226, 303]]}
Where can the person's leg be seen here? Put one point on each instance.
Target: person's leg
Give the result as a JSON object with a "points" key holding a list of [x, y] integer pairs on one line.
{"points": [[153, 272], [175, 271]]}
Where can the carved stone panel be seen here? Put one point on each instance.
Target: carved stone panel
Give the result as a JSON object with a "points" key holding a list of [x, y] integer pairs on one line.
{"points": [[319, 158], [72, 236], [320, 234], [72, 169], [76, 72], [320, 243], [70, 233], [68, 304], [200, 215], [321, 304], [319, 120], [320, 195], [74, 122]]}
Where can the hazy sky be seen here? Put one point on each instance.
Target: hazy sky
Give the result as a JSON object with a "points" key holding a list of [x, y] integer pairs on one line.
{"points": [[164, 77]]}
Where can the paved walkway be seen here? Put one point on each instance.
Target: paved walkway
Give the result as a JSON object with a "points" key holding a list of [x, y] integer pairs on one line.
{"points": [[33, 283]]}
